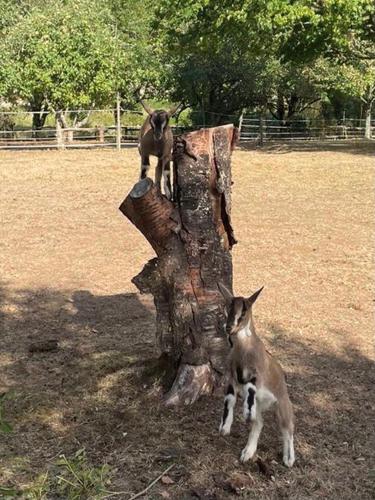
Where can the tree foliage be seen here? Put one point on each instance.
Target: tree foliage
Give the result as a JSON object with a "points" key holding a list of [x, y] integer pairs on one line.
{"points": [[71, 53], [281, 54], [216, 57]]}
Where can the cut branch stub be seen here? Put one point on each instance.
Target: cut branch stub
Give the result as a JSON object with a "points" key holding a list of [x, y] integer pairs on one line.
{"points": [[151, 213], [192, 237]]}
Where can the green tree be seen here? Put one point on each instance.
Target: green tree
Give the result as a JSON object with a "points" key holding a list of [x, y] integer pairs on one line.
{"points": [[353, 78], [62, 55], [343, 32], [133, 20], [227, 56], [70, 54]]}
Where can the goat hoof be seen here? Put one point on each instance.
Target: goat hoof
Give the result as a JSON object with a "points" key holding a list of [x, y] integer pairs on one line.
{"points": [[288, 462], [224, 431], [247, 455]]}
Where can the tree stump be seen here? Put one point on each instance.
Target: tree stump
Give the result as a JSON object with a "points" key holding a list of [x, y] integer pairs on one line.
{"points": [[192, 238]]}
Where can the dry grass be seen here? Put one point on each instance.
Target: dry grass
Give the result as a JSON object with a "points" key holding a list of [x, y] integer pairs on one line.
{"points": [[304, 220]]}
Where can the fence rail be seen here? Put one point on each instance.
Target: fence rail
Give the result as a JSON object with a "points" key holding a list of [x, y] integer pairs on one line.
{"points": [[105, 128], [256, 129], [110, 127], [119, 127], [74, 137]]}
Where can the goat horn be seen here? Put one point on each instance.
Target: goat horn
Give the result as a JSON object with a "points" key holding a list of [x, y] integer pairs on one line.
{"points": [[146, 107], [173, 110], [227, 294]]}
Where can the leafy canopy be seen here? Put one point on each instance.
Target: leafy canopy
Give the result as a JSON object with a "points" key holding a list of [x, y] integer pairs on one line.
{"points": [[72, 53]]}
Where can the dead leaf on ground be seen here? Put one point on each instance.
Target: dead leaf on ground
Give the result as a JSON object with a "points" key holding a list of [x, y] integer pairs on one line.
{"points": [[165, 494], [238, 482], [167, 480]]}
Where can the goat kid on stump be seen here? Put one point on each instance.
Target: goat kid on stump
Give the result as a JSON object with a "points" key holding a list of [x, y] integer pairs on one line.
{"points": [[156, 138], [255, 375]]}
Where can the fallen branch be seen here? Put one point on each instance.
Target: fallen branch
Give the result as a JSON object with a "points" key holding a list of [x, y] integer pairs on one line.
{"points": [[143, 492]]}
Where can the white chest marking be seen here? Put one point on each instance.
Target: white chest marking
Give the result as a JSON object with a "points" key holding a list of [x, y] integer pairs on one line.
{"points": [[245, 332]]}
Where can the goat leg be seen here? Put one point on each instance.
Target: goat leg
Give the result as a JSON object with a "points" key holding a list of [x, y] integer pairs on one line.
{"points": [[229, 403]]}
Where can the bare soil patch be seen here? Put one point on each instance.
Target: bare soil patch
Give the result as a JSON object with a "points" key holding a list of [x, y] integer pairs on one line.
{"points": [[305, 223]]}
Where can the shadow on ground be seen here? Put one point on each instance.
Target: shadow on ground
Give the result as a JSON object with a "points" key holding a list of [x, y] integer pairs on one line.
{"points": [[92, 393]]}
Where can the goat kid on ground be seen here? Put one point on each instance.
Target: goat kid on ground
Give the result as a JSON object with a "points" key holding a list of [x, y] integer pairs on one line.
{"points": [[256, 376], [156, 139]]}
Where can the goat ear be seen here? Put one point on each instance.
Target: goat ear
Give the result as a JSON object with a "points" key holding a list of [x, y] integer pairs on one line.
{"points": [[173, 110], [254, 297], [146, 107], [228, 296]]}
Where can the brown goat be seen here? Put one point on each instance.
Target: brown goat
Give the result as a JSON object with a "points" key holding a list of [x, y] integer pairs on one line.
{"points": [[257, 376], [156, 138]]}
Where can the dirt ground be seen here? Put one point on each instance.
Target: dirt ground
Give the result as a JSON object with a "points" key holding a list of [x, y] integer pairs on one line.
{"points": [[304, 218]]}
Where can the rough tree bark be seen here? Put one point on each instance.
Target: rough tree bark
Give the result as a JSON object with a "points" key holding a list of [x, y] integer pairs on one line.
{"points": [[192, 238]]}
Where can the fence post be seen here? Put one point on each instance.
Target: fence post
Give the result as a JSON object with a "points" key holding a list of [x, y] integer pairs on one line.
{"points": [[345, 132], [240, 124], [368, 132], [99, 134], [118, 122], [70, 135], [261, 128]]}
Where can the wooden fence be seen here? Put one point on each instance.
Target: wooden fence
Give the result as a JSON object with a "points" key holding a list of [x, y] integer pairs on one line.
{"points": [[19, 134], [263, 130], [118, 128]]}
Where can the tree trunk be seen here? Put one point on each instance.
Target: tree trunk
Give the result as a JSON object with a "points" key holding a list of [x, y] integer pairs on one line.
{"points": [[368, 108], [192, 238], [40, 113], [280, 106], [61, 125], [39, 118]]}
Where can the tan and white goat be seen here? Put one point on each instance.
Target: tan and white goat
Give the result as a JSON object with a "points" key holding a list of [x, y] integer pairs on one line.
{"points": [[257, 376], [156, 138]]}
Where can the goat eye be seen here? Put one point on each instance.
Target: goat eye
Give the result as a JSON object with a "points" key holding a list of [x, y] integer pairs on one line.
{"points": [[242, 314]]}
